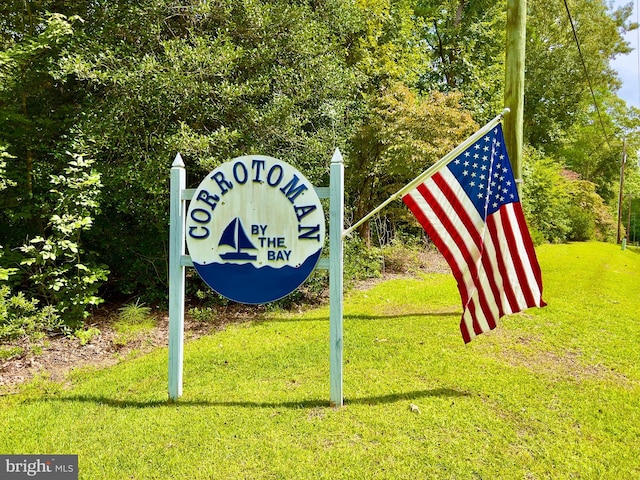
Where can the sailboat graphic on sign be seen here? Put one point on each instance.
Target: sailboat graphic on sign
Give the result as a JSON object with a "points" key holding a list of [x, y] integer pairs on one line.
{"points": [[234, 236]]}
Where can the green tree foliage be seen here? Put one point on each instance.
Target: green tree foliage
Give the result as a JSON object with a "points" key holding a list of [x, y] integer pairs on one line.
{"points": [[589, 217], [56, 264], [466, 48], [36, 110], [398, 131], [558, 90], [394, 83], [212, 80], [545, 199], [560, 206], [401, 138], [19, 315]]}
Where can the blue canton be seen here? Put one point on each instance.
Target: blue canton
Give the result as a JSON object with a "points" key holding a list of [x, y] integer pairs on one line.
{"points": [[484, 172]]}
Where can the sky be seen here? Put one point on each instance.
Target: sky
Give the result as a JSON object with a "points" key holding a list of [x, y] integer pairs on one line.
{"points": [[628, 66]]}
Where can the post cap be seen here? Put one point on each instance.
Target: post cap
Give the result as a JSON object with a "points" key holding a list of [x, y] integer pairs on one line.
{"points": [[177, 162], [337, 156]]}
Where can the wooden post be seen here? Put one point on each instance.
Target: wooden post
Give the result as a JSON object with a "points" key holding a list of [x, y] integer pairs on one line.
{"points": [[514, 84], [336, 257], [622, 164], [176, 277]]}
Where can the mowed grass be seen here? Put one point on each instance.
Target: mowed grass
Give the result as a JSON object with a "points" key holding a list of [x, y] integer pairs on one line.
{"points": [[551, 393]]}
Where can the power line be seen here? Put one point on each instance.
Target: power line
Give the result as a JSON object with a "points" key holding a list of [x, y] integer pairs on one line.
{"points": [[586, 73]]}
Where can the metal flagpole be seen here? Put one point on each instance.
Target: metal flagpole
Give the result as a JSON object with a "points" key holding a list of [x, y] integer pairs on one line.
{"points": [[431, 170]]}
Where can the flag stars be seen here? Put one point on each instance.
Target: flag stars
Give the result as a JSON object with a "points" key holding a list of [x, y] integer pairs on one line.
{"points": [[484, 174]]}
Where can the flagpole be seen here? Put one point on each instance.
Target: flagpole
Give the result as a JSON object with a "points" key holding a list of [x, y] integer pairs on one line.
{"points": [[430, 171]]}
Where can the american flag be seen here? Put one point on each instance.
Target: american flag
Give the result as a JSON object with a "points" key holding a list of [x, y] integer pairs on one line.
{"points": [[471, 211]]}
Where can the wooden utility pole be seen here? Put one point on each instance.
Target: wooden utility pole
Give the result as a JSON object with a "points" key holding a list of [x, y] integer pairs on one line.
{"points": [[514, 83], [620, 193]]}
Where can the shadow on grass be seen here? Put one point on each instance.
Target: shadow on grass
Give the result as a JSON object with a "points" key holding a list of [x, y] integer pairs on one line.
{"points": [[358, 316], [314, 403]]}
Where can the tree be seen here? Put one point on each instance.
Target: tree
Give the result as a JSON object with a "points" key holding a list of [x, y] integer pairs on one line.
{"points": [[36, 111], [212, 80], [404, 134], [558, 89], [466, 49]]}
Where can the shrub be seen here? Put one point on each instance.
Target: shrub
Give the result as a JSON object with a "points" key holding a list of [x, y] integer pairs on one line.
{"points": [[401, 257], [57, 265], [21, 316], [545, 199], [86, 335], [588, 216], [361, 262]]}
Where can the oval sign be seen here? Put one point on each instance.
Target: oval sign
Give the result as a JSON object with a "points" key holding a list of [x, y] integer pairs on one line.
{"points": [[255, 229]]}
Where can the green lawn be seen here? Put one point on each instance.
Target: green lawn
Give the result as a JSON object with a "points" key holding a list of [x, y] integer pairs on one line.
{"points": [[551, 393]]}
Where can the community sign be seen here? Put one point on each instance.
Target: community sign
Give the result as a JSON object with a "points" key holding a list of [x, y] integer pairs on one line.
{"points": [[255, 229]]}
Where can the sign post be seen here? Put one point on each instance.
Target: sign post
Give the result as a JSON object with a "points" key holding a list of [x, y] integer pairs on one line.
{"points": [[336, 266], [176, 277], [254, 230]]}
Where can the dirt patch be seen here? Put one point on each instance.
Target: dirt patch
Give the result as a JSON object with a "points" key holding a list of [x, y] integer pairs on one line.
{"points": [[562, 364], [55, 356]]}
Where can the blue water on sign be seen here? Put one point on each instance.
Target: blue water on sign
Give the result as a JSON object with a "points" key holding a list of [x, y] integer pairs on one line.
{"points": [[247, 283]]}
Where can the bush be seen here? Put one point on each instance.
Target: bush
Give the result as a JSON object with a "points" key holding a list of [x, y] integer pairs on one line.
{"points": [[361, 262], [20, 316], [57, 265], [545, 199], [402, 257], [589, 217]]}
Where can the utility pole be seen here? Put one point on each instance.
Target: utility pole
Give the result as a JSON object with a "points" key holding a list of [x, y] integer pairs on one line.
{"points": [[624, 161], [514, 84], [629, 219]]}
